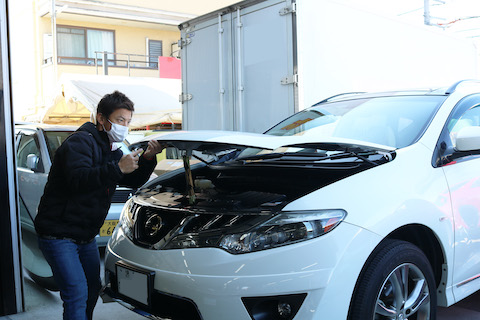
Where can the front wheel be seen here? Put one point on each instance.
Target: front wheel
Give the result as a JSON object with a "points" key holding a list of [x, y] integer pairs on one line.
{"points": [[396, 283]]}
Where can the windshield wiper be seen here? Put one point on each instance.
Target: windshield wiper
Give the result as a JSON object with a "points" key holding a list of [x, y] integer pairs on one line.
{"points": [[311, 156], [277, 155]]}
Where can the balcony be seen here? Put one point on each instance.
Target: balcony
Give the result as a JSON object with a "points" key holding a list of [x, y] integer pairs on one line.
{"points": [[119, 64]]}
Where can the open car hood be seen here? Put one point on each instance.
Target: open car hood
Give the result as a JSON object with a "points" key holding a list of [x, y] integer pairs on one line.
{"points": [[213, 141]]}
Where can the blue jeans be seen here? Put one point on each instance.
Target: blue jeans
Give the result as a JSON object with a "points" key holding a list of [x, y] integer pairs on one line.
{"points": [[76, 269]]}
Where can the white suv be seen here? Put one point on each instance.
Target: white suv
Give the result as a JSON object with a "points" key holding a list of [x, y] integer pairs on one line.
{"points": [[364, 206]]}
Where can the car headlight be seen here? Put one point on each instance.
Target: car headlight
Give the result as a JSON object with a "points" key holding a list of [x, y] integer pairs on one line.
{"points": [[126, 218], [283, 229], [236, 233]]}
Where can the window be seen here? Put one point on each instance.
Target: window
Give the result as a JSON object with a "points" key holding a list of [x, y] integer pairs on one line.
{"points": [[465, 114], [78, 45], [28, 146], [396, 121], [54, 140], [155, 49], [470, 118]]}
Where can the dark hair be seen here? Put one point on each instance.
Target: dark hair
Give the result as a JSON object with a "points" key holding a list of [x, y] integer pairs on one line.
{"points": [[113, 101]]}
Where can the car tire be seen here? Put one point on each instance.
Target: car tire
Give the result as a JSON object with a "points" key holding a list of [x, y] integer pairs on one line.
{"points": [[397, 273]]}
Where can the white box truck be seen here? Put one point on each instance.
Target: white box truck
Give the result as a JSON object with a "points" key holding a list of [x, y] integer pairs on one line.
{"points": [[248, 66]]}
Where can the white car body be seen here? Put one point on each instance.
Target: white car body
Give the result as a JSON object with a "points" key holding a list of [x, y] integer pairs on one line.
{"points": [[436, 208]]}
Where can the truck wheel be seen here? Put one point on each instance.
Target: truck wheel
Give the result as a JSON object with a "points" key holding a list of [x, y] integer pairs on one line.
{"points": [[396, 283]]}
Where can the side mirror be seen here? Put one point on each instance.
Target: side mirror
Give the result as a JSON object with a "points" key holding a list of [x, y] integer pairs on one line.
{"points": [[468, 139], [32, 162]]}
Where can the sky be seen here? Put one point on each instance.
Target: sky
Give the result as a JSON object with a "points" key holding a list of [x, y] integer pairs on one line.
{"points": [[458, 16]]}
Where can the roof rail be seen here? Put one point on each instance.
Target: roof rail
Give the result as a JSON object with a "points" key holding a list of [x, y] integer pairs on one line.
{"points": [[456, 84], [337, 95]]}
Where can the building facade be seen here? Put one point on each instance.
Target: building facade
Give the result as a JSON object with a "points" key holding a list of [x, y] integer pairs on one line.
{"points": [[55, 37]]}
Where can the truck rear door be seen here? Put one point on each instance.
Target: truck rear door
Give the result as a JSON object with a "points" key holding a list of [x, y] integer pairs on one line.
{"points": [[238, 67]]}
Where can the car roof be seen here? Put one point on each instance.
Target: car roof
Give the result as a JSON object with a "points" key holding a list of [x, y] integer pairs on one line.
{"points": [[440, 91], [366, 95], [43, 126]]}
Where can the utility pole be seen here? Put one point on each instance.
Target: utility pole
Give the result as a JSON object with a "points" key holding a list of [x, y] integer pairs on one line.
{"points": [[426, 12]]}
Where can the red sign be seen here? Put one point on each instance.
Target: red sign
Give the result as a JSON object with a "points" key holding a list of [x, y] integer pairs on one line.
{"points": [[169, 67]]}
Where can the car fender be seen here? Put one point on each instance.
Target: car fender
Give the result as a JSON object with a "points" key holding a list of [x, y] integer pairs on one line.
{"points": [[405, 191]]}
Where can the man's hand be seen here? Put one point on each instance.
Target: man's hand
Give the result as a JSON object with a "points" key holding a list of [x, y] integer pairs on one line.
{"points": [[154, 147], [129, 162]]}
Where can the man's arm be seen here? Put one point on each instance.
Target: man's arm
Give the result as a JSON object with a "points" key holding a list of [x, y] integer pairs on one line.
{"points": [[77, 157], [146, 164]]}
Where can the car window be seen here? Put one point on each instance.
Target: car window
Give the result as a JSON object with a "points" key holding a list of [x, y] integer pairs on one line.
{"points": [[396, 121], [54, 140], [27, 145], [470, 118], [466, 113]]}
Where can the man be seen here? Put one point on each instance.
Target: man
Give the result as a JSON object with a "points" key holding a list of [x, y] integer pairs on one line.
{"points": [[86, 169]]}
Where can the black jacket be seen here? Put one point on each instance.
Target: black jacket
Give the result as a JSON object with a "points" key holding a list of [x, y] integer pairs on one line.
{"points": [[80, 185]]}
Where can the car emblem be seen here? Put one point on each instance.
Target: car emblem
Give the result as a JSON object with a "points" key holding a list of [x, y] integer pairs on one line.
{"points": [[153, 225]]}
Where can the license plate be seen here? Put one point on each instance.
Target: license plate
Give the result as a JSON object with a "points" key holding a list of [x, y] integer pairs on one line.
{"points": [[107, 229], [134, 283]]}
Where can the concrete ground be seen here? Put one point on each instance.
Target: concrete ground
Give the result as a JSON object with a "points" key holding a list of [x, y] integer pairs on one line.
{"points": [[41, 304]]}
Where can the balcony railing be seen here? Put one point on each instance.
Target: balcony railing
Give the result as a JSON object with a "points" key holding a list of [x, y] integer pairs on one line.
{"points": [[122, 60], [128, 60]]}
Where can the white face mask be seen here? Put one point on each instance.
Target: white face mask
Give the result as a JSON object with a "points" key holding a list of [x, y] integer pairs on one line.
{"points": [[117, 132]]}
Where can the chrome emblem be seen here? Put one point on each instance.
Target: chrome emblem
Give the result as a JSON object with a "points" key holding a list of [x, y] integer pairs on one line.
{"points": [[153, 225]]}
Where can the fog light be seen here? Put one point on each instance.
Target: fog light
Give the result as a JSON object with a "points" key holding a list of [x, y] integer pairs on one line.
{"points": [[274, 307], [284, 310]]}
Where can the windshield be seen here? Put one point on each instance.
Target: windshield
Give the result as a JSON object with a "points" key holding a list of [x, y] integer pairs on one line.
{"points": [[396, 121]]}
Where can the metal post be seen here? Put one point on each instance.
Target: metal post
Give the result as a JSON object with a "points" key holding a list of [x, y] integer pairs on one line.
{"points": [[96, 62], [128, 64], [220, 72], [54, 41], [239, 72], [426, 10], [11, 278], [105, 63]]}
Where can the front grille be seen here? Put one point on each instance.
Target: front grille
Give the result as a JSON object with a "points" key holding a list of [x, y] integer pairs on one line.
{"points": [[155, 227], [121, 195]]}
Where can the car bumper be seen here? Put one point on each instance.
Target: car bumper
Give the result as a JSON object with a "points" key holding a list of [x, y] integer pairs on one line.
{"points": [[214, 283]]}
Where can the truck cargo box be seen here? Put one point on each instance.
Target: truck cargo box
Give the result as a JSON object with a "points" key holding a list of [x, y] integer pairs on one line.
{"points": [[247, 66]]}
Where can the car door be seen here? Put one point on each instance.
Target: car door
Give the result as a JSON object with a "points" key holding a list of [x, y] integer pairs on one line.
{"points": [[31, 170], [462, 171]]}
